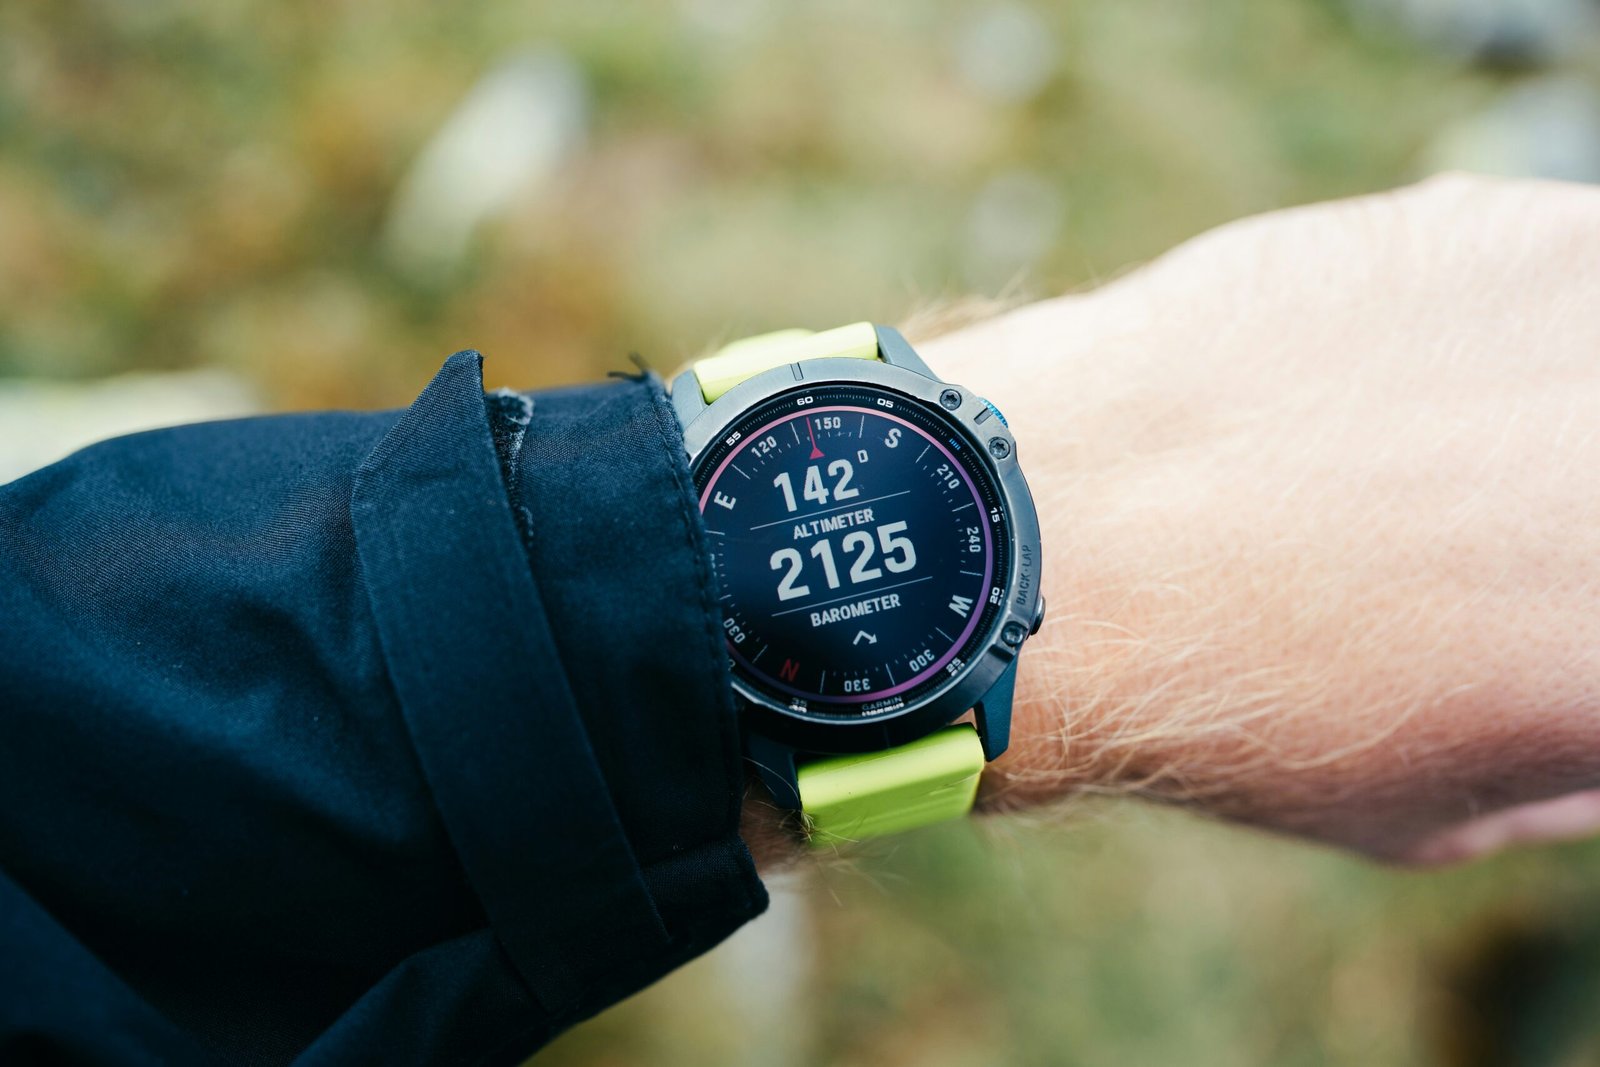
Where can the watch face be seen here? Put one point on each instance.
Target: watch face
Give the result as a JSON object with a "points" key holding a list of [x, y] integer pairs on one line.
{"points": [[861, 547]]}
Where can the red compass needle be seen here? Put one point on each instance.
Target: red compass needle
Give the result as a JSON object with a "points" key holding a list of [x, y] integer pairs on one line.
{"points": [[816, 453]]}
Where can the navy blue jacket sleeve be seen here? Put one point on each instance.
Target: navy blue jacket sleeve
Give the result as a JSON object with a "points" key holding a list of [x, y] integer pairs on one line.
{"points": [[360, 738]]}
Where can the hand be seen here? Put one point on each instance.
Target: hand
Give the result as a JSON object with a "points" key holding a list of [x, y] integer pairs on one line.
{"points": [[1320, 494]]}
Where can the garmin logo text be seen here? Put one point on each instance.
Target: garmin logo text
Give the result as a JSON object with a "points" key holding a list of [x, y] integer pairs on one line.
{"points": [[831, 523], [869, 606]]}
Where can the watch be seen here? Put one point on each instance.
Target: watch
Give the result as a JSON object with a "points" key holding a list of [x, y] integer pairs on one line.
{"points": [[876, 554]]}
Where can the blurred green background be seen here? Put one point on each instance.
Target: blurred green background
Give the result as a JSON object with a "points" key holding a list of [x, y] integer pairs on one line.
{"points": [[214, 206]]}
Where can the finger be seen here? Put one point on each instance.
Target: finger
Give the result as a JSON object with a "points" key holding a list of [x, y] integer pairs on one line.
{"points": [[1575, 815]]}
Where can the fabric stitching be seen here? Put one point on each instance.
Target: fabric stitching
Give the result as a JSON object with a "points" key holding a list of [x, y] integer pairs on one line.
{"points": [[510, 416]]}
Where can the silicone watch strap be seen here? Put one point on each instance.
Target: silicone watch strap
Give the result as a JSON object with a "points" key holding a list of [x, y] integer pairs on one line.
{"points": [[743, 359], [849, 798], [934, 778]]}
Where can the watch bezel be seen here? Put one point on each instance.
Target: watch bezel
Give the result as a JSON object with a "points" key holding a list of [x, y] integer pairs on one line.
{"points": [[977, 421]]}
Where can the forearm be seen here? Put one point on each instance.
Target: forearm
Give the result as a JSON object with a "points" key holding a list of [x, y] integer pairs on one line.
{"points": [[1327, 562], [1222, 633]]}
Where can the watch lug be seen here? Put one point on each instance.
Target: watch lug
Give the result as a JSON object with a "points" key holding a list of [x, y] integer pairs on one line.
{"points": [[686, 398], [774, 764], [897, 352], [993, 714]]}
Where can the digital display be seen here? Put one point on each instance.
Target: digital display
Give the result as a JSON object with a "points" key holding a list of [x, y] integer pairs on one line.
{"points": [[860, 547]]}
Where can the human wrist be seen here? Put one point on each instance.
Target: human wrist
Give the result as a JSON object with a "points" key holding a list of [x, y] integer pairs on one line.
{"points": [[1175, 663], [1168, 667], [1318, 534], [1075, 677], [1325, 565]]}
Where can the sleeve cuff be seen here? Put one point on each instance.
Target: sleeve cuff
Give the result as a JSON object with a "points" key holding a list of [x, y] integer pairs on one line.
{"points": [[546, 612]]}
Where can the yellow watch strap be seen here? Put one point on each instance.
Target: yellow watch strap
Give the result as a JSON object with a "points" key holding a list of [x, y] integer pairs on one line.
{"points": [[929, 780], [746, 358]]}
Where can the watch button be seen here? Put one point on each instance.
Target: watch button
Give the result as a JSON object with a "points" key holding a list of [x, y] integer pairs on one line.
{"points": [[997, 413], [1038, 618]]}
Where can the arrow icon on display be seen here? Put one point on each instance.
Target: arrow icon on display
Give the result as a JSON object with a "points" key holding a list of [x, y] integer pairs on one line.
{"points": [[871, 639]]}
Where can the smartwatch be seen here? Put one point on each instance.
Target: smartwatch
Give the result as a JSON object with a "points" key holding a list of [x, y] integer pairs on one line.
{"points": [[876, 553]]}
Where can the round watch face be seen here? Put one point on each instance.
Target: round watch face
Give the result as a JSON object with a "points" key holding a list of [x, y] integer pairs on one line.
{"points": [[861, 547]]}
